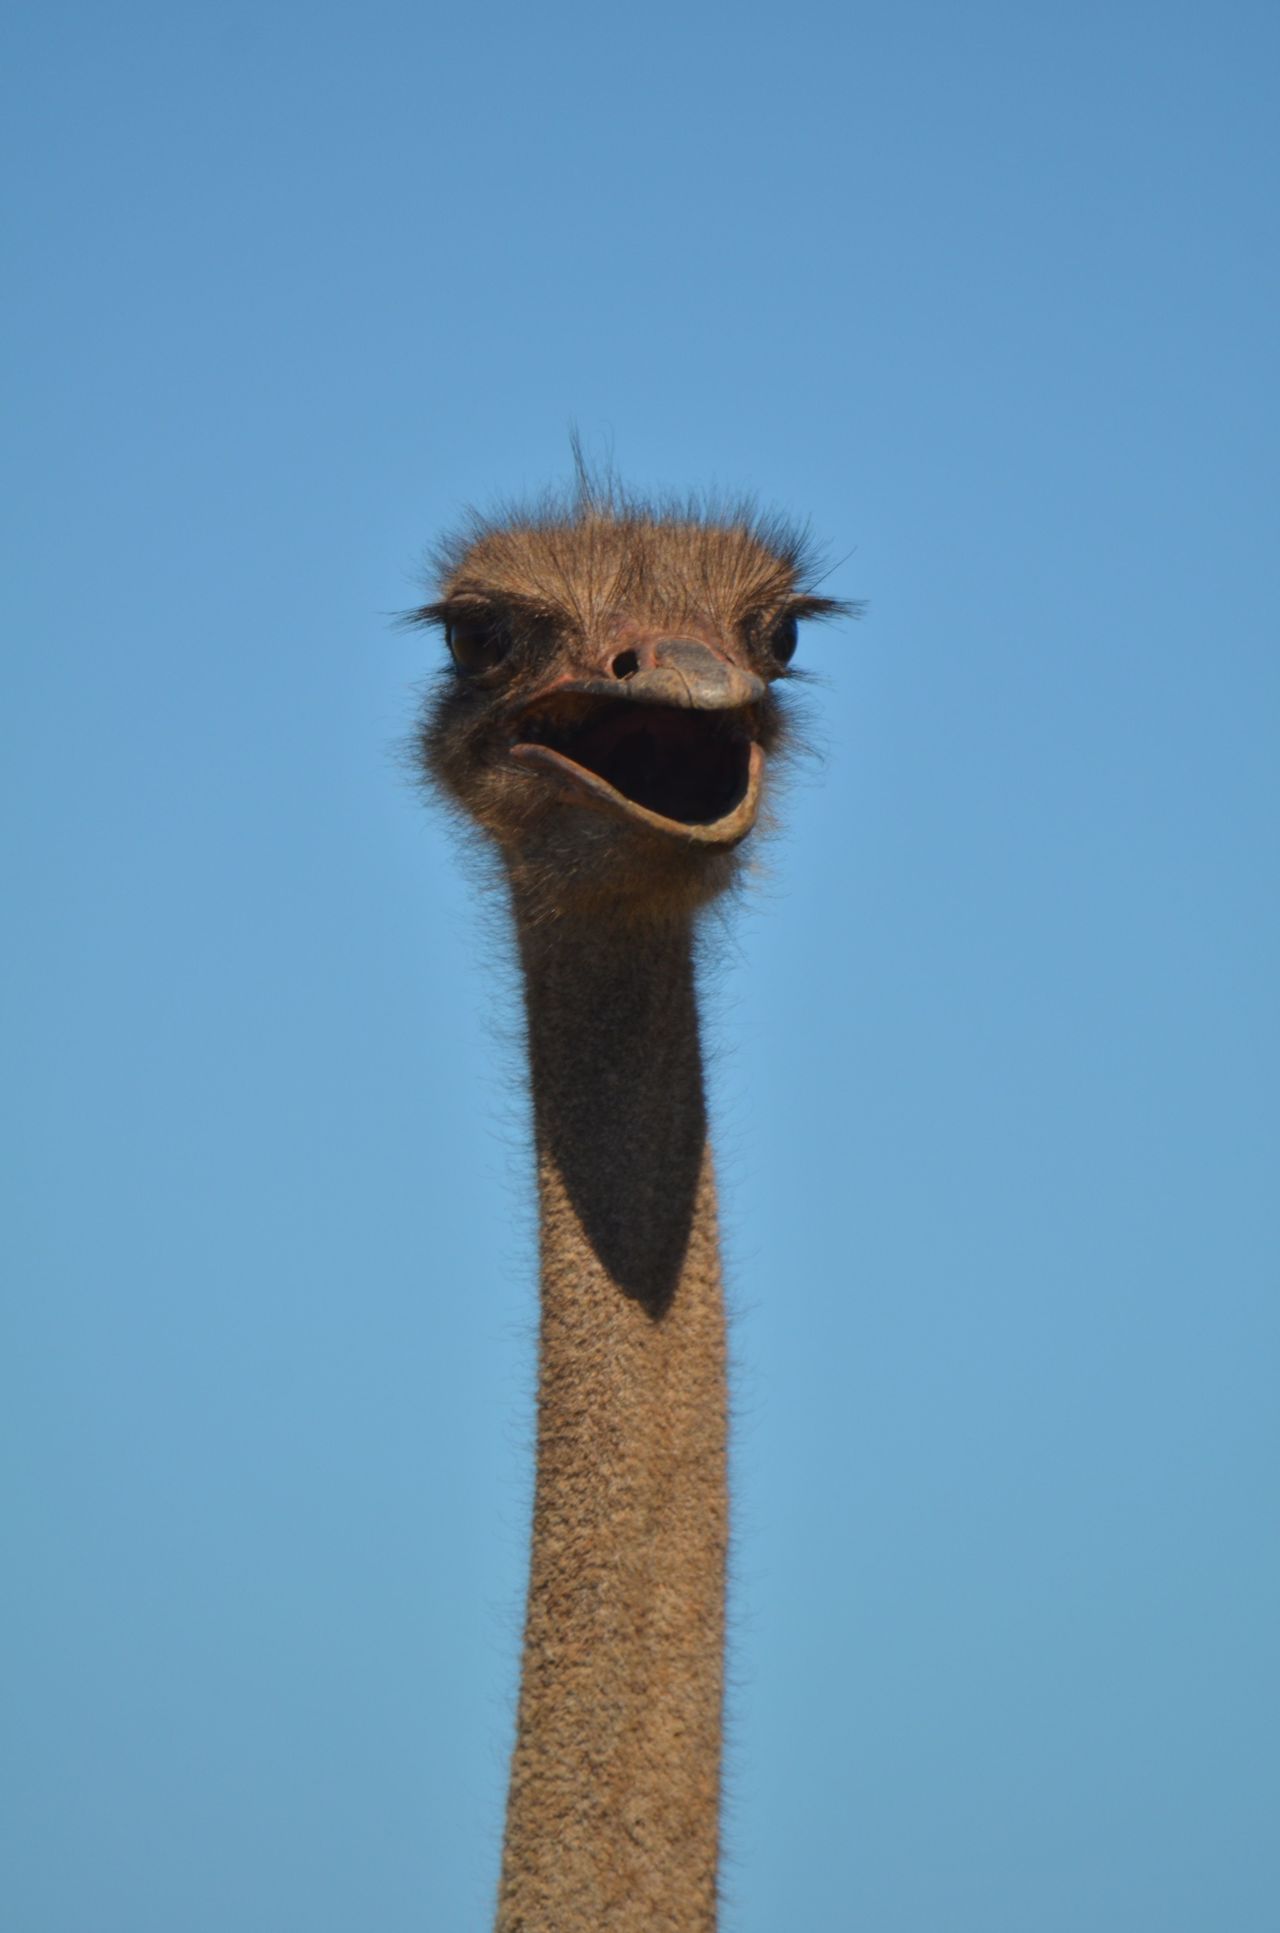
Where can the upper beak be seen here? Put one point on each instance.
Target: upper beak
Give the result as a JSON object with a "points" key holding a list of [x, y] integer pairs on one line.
{"points": [[675, 671]]}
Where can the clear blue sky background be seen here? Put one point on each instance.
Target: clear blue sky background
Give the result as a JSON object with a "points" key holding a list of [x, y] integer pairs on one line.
{"points": [[989, 292]]}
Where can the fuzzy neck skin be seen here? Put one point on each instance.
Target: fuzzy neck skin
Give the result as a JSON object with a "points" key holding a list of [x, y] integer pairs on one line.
{"points": [[612, 1816]]}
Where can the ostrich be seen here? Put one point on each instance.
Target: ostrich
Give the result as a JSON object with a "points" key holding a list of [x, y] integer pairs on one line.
{"points": [[608, 716]]}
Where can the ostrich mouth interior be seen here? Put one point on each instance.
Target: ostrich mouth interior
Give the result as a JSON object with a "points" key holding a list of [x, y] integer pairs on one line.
{"points": [[693, 767]]}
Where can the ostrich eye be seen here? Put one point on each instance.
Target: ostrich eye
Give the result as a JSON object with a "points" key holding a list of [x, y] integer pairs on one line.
{"points": [[783, 640], [478, 644]]}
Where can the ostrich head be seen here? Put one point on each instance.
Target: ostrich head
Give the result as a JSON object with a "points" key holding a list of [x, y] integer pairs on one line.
{"points": [[609, 712]]}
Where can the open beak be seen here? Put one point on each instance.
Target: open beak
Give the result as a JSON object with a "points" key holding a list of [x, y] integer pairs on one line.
{"points": [[673, 744]]}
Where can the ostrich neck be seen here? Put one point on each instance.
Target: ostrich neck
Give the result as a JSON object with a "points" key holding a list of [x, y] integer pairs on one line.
{"points": [[612, 1816]]}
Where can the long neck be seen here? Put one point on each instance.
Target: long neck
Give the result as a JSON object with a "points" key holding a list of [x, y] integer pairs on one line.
{"points": [[612, 1817]]}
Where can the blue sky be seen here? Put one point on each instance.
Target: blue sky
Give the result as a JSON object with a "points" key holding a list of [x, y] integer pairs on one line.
{"points": [[987, 293]]}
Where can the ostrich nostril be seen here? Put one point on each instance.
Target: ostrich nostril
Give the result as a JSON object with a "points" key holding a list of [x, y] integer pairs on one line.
{"points": [[625, 665]]}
